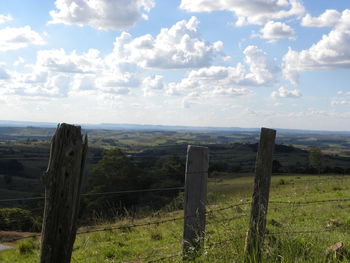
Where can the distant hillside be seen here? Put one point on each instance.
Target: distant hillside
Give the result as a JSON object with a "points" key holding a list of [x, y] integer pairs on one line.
{"points": [[149, 127]]}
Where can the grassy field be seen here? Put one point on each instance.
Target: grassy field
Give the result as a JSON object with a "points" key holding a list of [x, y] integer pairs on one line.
{"points": [[302, 223]]}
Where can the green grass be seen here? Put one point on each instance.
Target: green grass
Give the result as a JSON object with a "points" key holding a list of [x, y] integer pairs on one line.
{"points": [[298, 232]]}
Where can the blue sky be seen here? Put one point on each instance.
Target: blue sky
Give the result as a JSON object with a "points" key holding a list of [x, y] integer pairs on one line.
{"points": [[272, 63]]}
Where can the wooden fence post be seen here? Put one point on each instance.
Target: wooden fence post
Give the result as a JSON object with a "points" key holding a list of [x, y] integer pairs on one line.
{"points": [[62, 181], [195, 200], [260, 199]]}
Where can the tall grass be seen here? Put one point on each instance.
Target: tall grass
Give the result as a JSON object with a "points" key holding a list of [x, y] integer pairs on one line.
{"points": [[297, 231]]}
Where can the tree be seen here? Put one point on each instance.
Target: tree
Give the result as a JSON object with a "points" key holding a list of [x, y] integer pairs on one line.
{"points": [[170, 172], [114, 172], [117, 172], [315, 158]]}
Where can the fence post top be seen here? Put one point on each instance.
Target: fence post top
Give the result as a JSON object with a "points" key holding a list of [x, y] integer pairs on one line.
{"points": [[66, 125], [268, 130], [196, 147]]}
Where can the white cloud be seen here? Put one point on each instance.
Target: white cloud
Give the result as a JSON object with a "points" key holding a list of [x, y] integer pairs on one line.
{"points": [[329, 18], [58, 60], [35, 77], [117, 82], [277, 30], [191, 99], [152, 84], [221, 80], [284, 93], [57, 73], [12, 38], [248, 12], [232, 92], [84, 82], [340, 102], [262, 71], [331, 52], [117, 73], [342, 99], [5, 18], [38, 84], [343, 92], [101, 14], [177, 47]]}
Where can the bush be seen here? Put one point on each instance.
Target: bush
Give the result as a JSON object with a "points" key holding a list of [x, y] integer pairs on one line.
{"points": [[27, 246], [17, 219]]}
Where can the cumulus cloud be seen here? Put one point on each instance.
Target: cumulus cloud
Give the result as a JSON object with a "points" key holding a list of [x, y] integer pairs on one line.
{"points": [[57, 73], [284, 93], [101, 14], [152, 84], [256, 12], [84, 82], [177, 47], [117, 82], [262, 71], [256, 71], [329, 18], [38, 84], [60, 61], [5, 18], [12, 38], [277, 30], [331, 52], [190, 99], [119, 72], [209, 82]]}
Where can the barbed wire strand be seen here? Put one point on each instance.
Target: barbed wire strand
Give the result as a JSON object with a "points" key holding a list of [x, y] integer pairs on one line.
{"points": [[109, 228], [101, 193], [309, 202]]}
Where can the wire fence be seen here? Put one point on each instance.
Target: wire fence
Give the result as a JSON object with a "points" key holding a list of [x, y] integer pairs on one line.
{"points": [[101, 193], [209, 212], [170, 189], [210, 220]]}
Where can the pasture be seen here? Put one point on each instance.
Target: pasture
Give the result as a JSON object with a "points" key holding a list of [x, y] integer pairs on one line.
{"points": [[306, 215]]}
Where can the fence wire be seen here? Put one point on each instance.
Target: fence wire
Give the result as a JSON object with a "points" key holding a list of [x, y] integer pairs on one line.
{"points": [[309, 202], [101, 193]]}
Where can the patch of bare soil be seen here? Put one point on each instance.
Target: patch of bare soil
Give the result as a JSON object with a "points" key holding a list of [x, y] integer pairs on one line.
{"points": [[12, 236]]}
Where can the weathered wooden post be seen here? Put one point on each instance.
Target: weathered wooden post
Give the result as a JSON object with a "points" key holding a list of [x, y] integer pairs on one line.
{"points": [[195, 200], [62, 181], [260, 199]]}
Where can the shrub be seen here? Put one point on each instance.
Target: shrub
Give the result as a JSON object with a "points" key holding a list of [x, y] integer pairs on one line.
{"points": [[17, 219], [281, 182], [27, 246]]}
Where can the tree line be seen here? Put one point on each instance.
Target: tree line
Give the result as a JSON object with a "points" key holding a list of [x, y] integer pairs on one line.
{"points": [[118, 171]]}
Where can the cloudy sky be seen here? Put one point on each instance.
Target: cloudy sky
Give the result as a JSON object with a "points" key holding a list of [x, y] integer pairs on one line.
{"points": [[272, 63]]}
